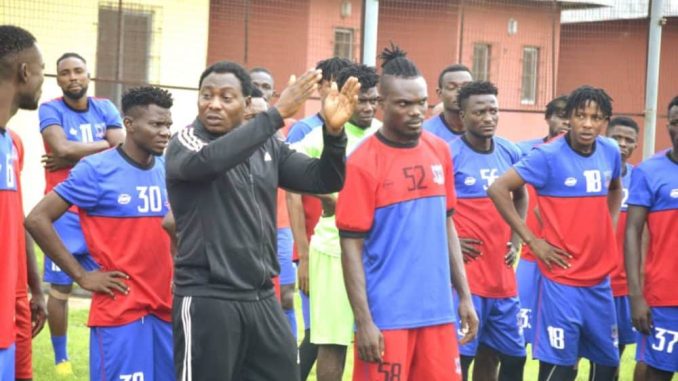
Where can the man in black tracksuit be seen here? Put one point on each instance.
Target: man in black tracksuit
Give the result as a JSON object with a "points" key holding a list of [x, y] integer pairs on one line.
{"points": [[222, 179]]}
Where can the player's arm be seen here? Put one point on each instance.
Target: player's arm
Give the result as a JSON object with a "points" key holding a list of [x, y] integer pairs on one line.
{"points": [[65, 153], [520, 202], [39, 224], [500, 193], [295, 209], [170, 226], [640, 312], [369, 339], [615, 196], [37, 302], [114, 136], [467, 314]]}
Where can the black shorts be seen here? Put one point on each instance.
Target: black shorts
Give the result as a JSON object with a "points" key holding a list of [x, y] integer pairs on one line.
{"points": [[224, 340]]}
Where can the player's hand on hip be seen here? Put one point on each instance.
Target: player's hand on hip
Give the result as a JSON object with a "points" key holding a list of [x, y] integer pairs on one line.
{"points": [[105, 282], [370, 342], [469, 321], [338, 105], [469, 248], [550, 255], [302, 275], [641, 316], [297, 92]]}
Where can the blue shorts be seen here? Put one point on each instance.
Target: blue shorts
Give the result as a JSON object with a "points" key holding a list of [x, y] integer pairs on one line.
{"points": [[305, 309], [527, 277], [660, 350], [141, 350], [498, 326], [7, 358], [575, 322], [627, 334], [69, 230], [288, 274]]}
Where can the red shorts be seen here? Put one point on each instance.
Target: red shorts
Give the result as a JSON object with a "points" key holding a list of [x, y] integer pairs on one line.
{"points": [[426, 353], [24, 339]]}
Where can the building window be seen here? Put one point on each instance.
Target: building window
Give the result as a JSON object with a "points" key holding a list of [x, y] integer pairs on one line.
{"points": [[343, 43], [125, 61], [481, 62], [528, 90]]}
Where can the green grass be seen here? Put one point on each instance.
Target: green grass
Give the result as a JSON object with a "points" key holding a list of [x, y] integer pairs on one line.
{"points": [[78, 349]]}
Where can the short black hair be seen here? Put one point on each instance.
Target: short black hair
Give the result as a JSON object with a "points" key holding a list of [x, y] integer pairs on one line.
{"points": [[476, 88], [12, 40], [580, 97], [261, 69], [556, 104], [332, 66], [70, 55], [256, 93], [366, 75], [672, 104], [145, 96], [451, 69], [233, 68], [396, 63], [623, 121]]}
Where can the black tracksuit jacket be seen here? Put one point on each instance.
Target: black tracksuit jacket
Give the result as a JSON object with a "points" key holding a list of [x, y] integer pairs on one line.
{"points": [[222, 190]]}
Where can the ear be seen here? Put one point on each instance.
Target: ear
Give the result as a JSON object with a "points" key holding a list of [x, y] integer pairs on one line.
{"points": [[248, 101], [128, 122], [461, 114], [439, 92], [23, 72]]}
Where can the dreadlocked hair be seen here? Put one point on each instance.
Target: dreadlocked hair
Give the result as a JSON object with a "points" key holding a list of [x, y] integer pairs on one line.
{"points": [[396, 63], [580, 97]]}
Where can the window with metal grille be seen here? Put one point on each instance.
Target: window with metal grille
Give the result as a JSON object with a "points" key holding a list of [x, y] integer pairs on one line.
{"points": [[481, 62], [343, 43], [528, 88]]}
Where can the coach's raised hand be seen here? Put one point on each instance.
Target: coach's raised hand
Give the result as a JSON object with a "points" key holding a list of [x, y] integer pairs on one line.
{"points": [[338, 106], [297, 92]]}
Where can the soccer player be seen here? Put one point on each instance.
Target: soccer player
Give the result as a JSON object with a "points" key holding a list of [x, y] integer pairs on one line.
{"points": [[331, 316], [527, 273], [262, 79], [21, 78], [624, 131], [447, 125], [72, 127], [400, 250], [577, 180], [304, 212], [653, 200], [488, 245], [222, 178], [121, 197]]}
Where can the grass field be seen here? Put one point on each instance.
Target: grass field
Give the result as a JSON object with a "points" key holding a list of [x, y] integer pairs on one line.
{"points": [[78, 349]]}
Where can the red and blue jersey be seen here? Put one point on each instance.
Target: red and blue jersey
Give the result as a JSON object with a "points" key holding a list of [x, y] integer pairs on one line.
{"points": [[572, 198], [654, 185], [83, 126], [121, 208], [439, 127], [12, 238], [398, 198], [477, 217], [618, 276], [531, 217]]}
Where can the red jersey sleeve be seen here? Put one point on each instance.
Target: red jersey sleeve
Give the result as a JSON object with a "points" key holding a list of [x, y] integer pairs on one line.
{"points": [[449, 182], [357, 202]]}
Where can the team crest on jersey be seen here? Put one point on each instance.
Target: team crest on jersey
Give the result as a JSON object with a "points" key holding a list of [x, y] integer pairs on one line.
{"points": [[674, 193], [470, 181], [124, 199], [438, 174], [570, 181]]}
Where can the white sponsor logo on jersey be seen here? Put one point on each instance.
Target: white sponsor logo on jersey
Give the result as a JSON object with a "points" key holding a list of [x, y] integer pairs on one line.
{"points": [[438, 174], [124, 199], [570, 181], [674, 193], [470, 181]]}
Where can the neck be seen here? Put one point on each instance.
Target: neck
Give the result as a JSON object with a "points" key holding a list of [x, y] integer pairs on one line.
{"points": [[136, 153], [396, 138], [624, 170], [674, 154], [583, 149], [8, 106], [478, 143], [453, 120], [77, 104]]}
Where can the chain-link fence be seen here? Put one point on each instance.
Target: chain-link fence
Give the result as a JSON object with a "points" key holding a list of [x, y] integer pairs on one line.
{"points": [[532, 50]]}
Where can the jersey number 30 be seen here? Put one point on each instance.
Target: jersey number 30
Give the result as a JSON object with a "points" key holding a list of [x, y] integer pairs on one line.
{"points": [[151, 199]]}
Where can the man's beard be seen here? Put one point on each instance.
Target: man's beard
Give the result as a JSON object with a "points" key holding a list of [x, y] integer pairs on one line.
{"points": [[28, 102], [77, 95]]}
